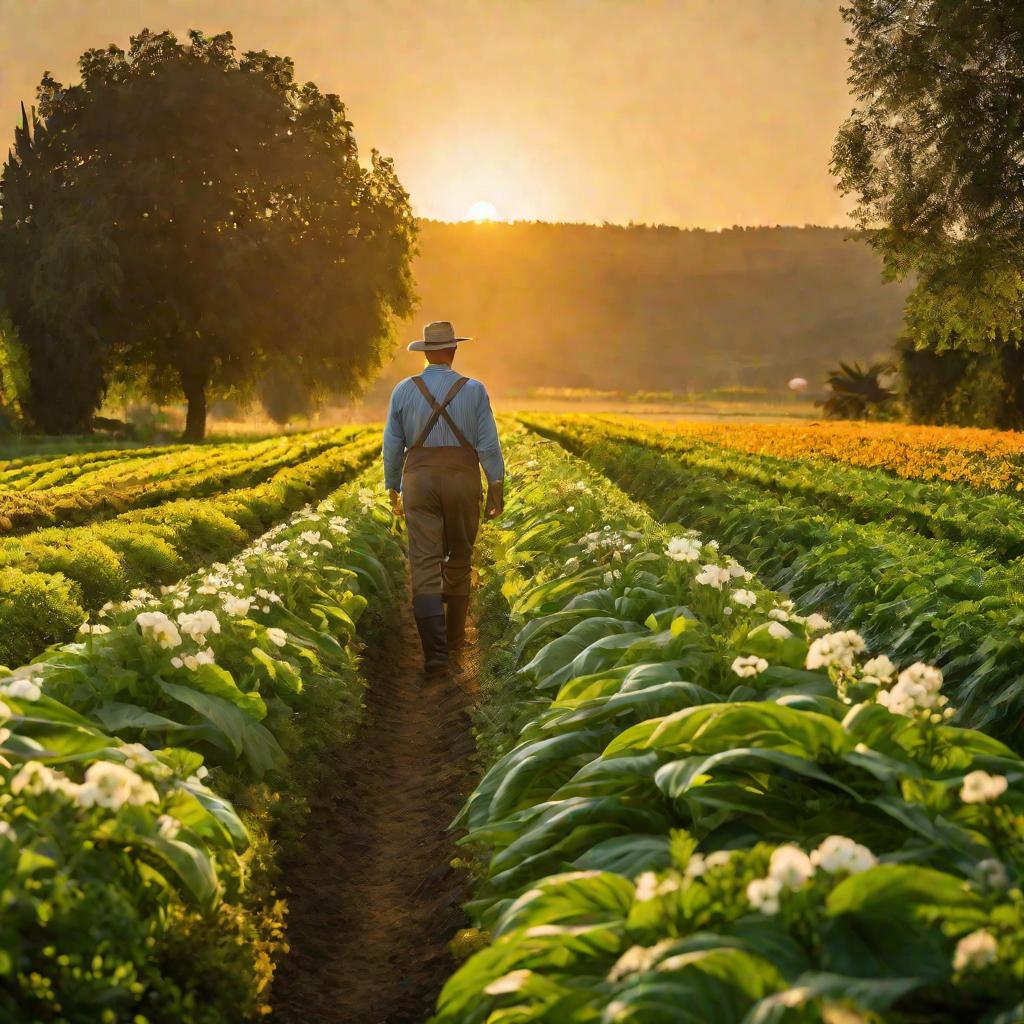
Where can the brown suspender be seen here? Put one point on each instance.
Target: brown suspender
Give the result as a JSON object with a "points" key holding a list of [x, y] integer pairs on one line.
{"points": [[441, 410]]}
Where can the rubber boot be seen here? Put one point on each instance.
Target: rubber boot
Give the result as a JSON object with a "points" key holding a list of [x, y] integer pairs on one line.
{"points": [[456, 607], [430, 621]]}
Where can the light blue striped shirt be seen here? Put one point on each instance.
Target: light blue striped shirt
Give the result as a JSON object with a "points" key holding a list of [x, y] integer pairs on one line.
{"points": [[470, 409]]}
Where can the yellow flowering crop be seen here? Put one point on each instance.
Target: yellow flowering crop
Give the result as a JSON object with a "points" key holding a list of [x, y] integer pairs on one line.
{"points": [[989, 459]]}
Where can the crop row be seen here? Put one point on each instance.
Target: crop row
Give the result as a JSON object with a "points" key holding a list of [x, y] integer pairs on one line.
{"points": [[142, 482], [993, 524], [921, 599], [986, 459], [51, 578], [719, 809], [144, 763]]}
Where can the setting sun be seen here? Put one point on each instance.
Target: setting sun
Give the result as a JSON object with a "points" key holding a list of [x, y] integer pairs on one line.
{"points": [[481, 211]]}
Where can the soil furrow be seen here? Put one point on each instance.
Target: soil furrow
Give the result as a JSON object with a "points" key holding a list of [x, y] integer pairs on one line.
{"points": [[373, 900]]}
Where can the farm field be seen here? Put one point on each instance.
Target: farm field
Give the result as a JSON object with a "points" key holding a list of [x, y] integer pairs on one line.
{"points": [[681, 634]]}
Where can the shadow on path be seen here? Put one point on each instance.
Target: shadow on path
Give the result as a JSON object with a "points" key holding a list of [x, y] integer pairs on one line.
{"points": [[373, 900]]}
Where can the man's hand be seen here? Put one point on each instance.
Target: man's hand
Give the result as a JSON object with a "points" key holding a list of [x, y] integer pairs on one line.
{"points": [[396, 503], [495, 499]]}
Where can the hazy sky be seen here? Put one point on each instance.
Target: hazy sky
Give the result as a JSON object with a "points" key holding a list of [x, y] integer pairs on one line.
{"points": [[692, 112]]}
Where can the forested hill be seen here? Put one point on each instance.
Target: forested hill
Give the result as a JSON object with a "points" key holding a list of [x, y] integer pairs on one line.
{"points": [[643, 308]]}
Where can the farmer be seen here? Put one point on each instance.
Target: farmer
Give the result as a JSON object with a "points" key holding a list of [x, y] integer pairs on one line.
{"points": [[442, 425]]}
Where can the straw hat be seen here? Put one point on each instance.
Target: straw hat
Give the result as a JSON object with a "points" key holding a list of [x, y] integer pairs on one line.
{"points": [[440, 334]]}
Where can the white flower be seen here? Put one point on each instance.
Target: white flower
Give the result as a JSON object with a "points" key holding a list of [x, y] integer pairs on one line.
{"points": [[878, 670], [683, 549], [277, 636], [198, 624], [736, 570], [779, 614], [763, 894], [35, 778], [158, 628], [193, 661], [717, 859], [778, 631], [981, 788], [817, 623], [713, 544], [236, 606], [916, 693], [838, 854], [713, 576], [168, 826], [5, 712], [974, 951], [646, 887], [97, 629], [310, 536], [790, 866], [835, 650], [21, 687], [695, 866], [745, 598], [750, 665], [7, 832], [114, 785], [338, 524]]}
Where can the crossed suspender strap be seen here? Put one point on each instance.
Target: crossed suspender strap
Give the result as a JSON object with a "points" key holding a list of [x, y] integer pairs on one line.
{"points": [[441, 410]]}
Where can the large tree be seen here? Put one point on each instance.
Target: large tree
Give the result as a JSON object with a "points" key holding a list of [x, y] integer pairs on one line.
{"points": [[934, 154], [207, 222]]}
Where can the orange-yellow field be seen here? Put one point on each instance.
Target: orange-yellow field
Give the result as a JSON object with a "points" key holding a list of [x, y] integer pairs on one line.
{"points": [[990, 459]]}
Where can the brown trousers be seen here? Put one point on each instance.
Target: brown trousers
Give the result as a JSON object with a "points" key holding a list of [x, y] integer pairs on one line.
{"points": [[442, 493]]}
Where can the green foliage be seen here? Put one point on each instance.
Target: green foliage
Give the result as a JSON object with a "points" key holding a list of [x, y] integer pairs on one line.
{"points": [[95, 485], [149, 547], [627, 831], [931, 152], [945, 603], [150, 899], [201, 220], [978, 389], [13, 378], [858, 392]]}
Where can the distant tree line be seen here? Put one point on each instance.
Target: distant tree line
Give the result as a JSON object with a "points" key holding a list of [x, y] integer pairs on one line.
{"points": [[651, 308], [192, 221]]}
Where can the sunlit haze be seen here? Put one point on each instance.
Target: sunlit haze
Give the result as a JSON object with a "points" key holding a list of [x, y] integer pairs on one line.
{"points": [[690, 112]]}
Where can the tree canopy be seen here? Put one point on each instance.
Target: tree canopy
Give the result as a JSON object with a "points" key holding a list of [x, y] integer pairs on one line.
{"points": [[191, 218], [933, 153]]}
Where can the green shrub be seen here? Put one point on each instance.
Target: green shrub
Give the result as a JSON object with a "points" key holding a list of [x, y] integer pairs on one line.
{"points": [[34, 608]]}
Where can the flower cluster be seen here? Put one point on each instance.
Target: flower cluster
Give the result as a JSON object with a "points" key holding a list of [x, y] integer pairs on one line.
{"points": [[916, 693], [607, 544], [835, 650], [106, 784], [790, 867]]}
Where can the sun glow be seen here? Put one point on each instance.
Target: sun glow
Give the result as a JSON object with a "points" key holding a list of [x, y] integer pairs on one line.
{"points": [[481, 211]]}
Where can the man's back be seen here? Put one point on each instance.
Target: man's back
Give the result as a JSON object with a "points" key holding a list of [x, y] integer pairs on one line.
{"points": [[409, 412]]}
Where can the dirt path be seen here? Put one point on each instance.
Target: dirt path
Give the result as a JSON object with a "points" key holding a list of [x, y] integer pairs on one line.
{"points": [[372, 898]]}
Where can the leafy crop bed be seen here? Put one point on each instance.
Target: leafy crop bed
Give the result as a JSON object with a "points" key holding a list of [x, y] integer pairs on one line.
{"points": [[50, 579], [93, 485], [147, 764], [718, 809], [957, 604]]}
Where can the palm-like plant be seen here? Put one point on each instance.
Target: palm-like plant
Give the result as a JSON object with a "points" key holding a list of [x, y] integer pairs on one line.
{"points": [[857, 392]]}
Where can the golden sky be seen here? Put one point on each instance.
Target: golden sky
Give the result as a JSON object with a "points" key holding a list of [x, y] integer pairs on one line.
{"points": [[701, 113]]}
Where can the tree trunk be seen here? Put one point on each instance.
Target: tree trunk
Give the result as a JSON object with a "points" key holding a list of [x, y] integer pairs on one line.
{"points": [[194, 386]]}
